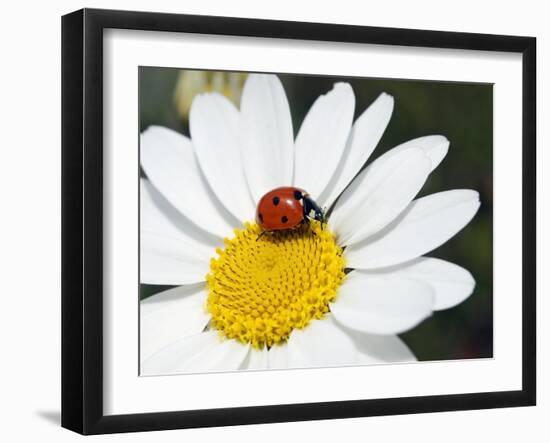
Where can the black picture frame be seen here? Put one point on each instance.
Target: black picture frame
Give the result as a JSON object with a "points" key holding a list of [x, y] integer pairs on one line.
{"points": [[82, 220]]}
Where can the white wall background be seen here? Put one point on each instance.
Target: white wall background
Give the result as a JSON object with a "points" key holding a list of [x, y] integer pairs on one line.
{"points": [[30, 219]]}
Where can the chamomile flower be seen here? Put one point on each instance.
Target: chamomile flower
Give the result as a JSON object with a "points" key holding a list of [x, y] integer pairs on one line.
{"points": [[315, 296]]}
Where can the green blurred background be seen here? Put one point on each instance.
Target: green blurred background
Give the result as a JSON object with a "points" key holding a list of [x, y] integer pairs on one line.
{"points": [[463, 112]]}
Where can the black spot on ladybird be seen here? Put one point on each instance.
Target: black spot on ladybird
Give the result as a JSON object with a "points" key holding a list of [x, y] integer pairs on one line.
{"points": [[284, 218], [276, 200], [261, 217], [297, 195]]}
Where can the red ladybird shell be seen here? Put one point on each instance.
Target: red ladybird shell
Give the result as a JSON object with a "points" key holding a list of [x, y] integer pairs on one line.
{"points": [[280, 209]]}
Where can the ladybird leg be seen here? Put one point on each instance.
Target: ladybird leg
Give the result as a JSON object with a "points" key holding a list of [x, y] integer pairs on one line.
{"points": [[260, 236], [307, 221]]}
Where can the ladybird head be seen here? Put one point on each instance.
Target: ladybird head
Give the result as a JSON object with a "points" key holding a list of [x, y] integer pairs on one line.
{"points": [[319, 216], [312, 210]]}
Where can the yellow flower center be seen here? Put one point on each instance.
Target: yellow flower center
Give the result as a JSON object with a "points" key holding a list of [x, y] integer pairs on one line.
{"points": [[262, 289]]}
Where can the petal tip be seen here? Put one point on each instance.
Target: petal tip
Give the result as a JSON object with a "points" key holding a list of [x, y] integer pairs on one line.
{"points": [[387, 97], [342, 85]]}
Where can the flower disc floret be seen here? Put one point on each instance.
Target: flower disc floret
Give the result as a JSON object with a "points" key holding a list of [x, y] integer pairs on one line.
{"points": [[260, 289]]}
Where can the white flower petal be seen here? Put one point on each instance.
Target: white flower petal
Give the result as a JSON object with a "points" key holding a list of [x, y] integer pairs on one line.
{"points": [[320, 344], [214, 126], [277, 356], [171, 315], [169, 162], [382, 306], [159, 217], [435, 147], [363, 138], [452, 284], [268, 144], [376, 349], [427, 223], [226, 355], [322, 138], [204, 352], [170, 261], [172, 358], [379, 194], [257, 359]]}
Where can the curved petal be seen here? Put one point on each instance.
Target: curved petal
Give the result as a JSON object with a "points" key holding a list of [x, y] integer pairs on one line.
{"points": [[382, 305], [170, 164], [159, 217], [379, 194], [171, 315], [435, 147], [427, 223], [452, 284], [320, 344], [257, 359], [170, 261], [214, 126], [277, 357], [322, 138], [363, 138], [268, 144], [375, 349], [170, 255], [204, 352]]}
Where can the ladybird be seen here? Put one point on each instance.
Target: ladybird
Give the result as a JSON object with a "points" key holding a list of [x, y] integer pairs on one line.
{"points": [[287, 208]]}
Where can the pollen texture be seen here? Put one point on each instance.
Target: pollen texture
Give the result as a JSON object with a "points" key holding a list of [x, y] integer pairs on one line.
{"points": [[262, 289]]}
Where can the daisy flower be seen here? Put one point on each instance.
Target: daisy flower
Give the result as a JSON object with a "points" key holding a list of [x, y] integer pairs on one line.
{"points": [[328, 295]]}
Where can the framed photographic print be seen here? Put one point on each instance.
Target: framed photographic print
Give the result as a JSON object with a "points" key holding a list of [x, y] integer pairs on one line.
{"points": [[271, 221]]}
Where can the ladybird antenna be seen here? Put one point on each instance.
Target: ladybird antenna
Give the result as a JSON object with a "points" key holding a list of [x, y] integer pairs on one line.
{"points": [[260, 236]]}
